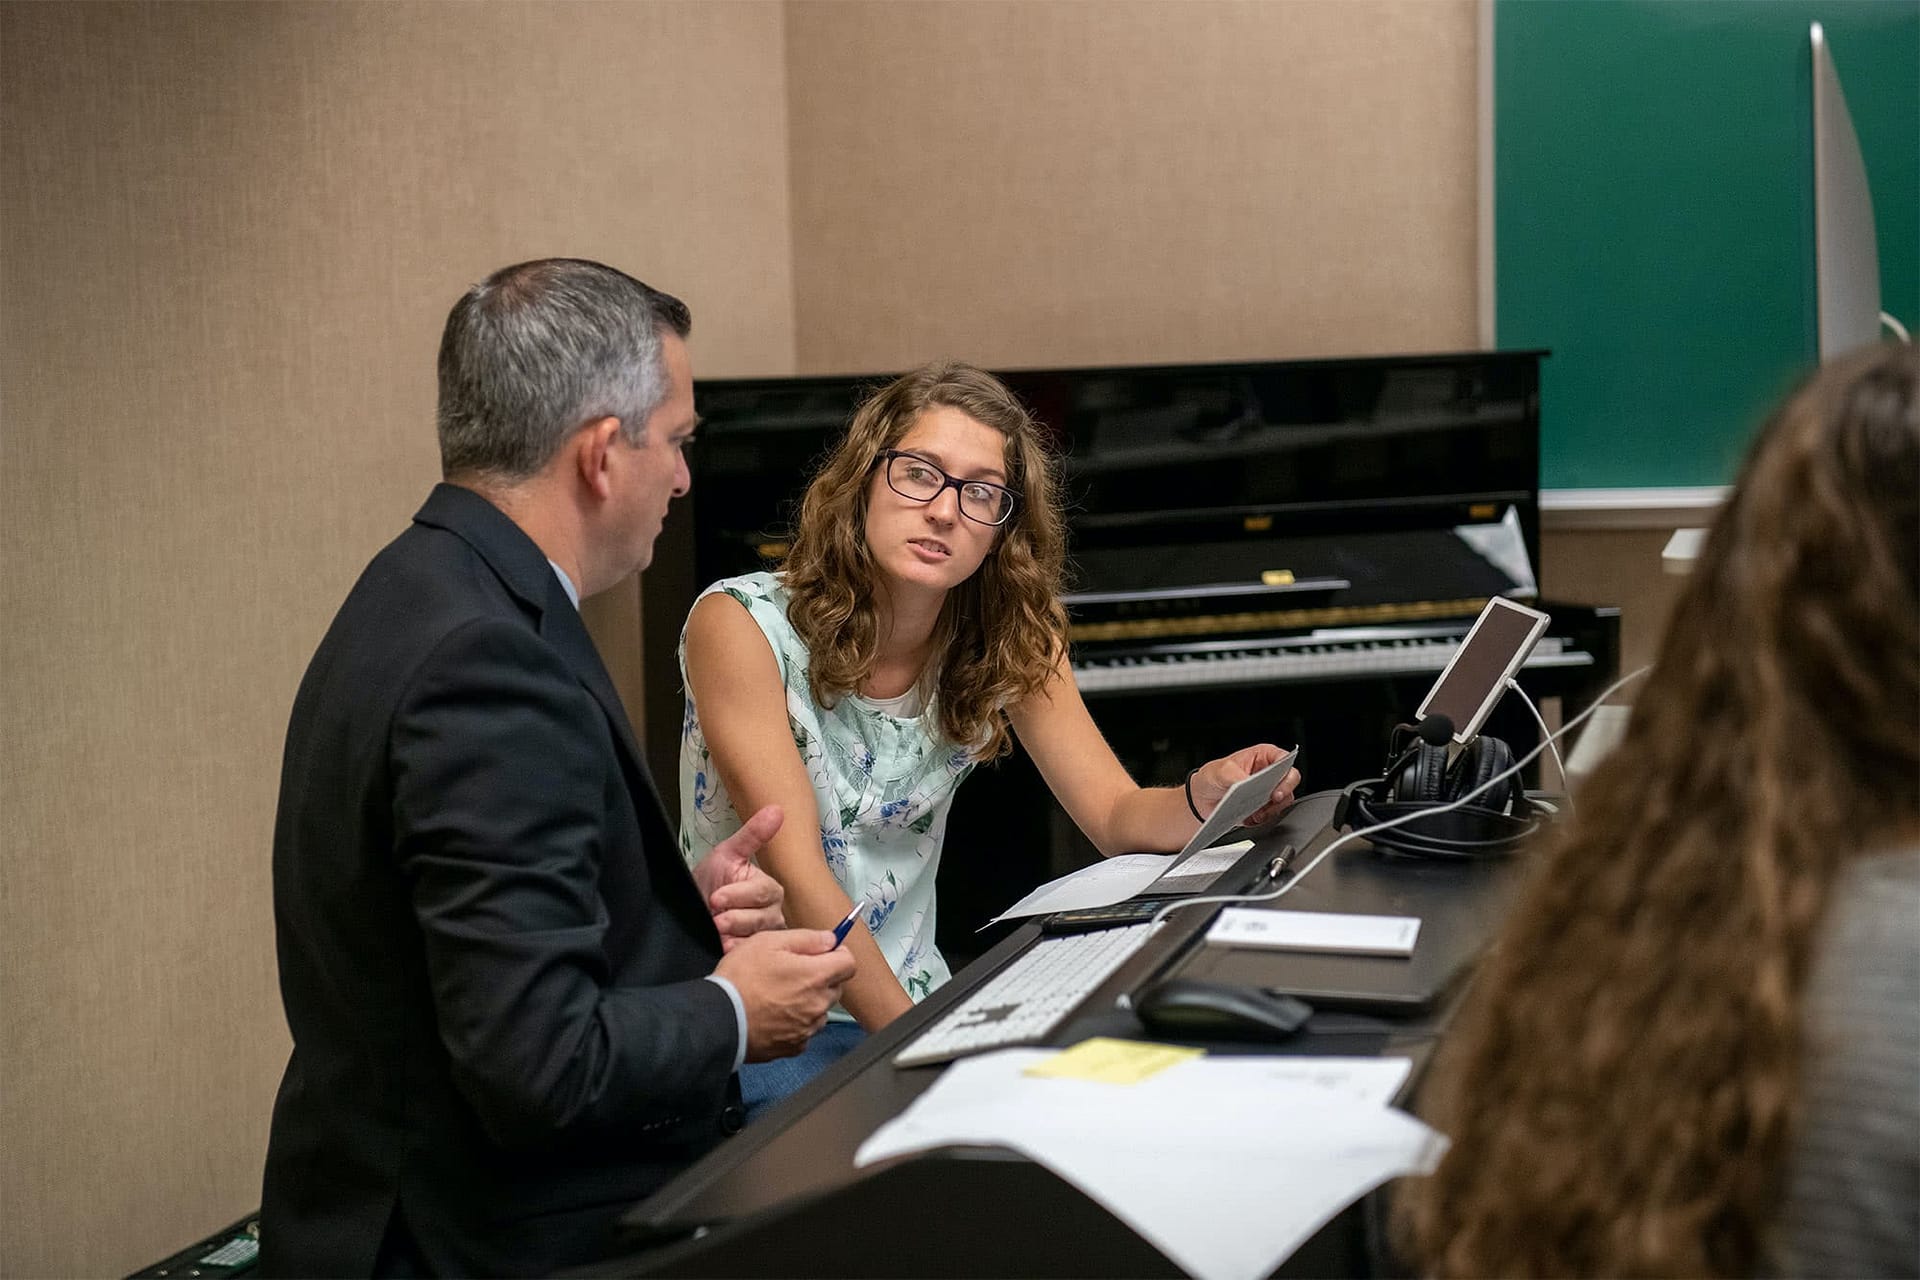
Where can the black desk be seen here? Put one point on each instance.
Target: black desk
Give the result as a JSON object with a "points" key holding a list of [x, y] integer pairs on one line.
{"points": [[783, 1197]]}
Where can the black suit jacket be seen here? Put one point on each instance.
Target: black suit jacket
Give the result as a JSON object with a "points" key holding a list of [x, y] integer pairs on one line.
{"points": [[491, 954]]}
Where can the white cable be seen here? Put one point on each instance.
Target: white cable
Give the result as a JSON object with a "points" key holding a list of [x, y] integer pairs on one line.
{"points": [[1546, 735], [1886, 318], [1358, 832]]}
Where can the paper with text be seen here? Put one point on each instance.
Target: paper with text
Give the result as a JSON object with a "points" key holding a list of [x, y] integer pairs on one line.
{"points": [[1207, 863], [1227, 1165], [1112, 880], [1106, 882]]}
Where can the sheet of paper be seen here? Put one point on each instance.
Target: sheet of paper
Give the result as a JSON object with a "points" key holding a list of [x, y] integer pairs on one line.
{"points": [[1206, 863], [1374, 1081], [1106, 882], [1227, 1165], [1112, 880], [1315, 931], [1112, 1061], [1242, 798], [1308, 1080]]}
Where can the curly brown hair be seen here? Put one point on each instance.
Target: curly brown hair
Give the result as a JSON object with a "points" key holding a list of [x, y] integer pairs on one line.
{"points": [[1622, 1083], [1000, 632]]}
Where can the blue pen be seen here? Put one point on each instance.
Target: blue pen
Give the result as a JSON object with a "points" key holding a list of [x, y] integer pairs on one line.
{"points": [[841, 930]]}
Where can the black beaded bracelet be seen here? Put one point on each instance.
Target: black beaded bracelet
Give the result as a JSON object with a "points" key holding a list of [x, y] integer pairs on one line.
{"points": [[1192, 808]]}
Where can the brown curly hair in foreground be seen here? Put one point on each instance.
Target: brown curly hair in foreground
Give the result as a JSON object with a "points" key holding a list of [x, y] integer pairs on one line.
{"points": [[1000, 631], [1621, 1086]]}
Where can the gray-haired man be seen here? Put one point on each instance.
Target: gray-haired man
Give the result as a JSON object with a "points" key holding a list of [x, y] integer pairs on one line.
{"points": [[514, 1012]]}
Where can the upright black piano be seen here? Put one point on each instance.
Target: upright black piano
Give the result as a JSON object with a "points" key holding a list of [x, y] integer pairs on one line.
{"points": [[1284, 552]]}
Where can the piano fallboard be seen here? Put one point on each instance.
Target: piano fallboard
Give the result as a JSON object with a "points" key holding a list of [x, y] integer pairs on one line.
{"points": [[1327, 655]]}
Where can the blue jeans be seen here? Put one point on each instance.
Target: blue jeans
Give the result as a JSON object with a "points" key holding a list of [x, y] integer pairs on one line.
{"points": [[764, 1083]]}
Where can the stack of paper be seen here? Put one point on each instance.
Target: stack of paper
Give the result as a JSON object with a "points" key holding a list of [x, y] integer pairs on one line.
{"points": [[1226, 1165]]}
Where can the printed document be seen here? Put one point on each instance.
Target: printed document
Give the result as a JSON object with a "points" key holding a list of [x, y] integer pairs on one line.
{"points": [[1226, 1165], [1116, 879], [1112, 880]]}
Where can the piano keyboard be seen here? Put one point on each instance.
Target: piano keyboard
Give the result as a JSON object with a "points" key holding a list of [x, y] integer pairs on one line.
{"points": [[1179, 666]]}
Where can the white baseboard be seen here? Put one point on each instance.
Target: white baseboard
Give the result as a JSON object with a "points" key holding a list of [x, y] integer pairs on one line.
{"points": [[1674, 508]]}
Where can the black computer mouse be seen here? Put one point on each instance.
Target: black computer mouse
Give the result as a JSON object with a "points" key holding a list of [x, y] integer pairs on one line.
{"points": [[1191, 1009]]}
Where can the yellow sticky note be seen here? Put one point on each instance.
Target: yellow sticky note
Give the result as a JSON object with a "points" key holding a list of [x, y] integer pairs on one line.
{"points": [[1112, 1061]]}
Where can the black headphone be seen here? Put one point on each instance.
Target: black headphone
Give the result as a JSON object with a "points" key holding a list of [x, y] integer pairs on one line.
{"points": [[1421, 779]]}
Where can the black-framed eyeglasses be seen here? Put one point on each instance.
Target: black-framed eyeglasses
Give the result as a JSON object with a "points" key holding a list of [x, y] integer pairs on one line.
{"points": [[981, 501]]}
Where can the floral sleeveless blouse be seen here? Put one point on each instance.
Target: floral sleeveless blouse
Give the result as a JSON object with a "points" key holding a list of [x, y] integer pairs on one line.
{"points": [[883, 785]]}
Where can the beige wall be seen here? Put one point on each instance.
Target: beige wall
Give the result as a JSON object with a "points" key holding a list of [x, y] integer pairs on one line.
{"points": [[1053, 182], [1618, 567], [228, 237], [1057, 182]]}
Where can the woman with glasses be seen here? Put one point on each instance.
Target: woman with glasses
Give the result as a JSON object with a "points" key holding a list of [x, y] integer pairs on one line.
{"points": [[914, 627]]}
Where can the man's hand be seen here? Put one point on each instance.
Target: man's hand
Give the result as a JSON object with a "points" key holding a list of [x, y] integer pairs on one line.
{"points": [[787, 979], [744, 899], [1213, 779]]}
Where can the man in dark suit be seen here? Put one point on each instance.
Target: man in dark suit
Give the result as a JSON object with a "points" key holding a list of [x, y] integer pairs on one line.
{"points": [[513, 1011]]}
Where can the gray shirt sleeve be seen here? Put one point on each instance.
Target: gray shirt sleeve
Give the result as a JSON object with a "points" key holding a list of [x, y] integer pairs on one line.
{"points": [[1853, 1189]]}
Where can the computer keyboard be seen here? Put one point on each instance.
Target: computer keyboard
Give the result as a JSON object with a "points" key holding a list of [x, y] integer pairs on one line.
{"points": [[1025, 1001]]}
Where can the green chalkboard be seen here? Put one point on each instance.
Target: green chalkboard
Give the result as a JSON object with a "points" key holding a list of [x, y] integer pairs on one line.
{"points": [[1653, 214]]}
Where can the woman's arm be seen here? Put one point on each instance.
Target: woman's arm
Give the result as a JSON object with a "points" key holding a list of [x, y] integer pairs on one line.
{"points": [[737, 691], [1117, 814]]}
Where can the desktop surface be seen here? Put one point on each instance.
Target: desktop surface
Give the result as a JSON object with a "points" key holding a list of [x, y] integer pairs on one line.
{"points": [[1459, 904], [795, 1165]]}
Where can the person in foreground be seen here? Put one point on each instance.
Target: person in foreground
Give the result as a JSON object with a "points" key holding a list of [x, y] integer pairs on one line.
{"points": [[914, 627], [514, 1011], [1695, 1048]]}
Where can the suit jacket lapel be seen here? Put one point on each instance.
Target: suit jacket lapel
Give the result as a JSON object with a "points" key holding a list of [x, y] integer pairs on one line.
{"points": [[562, 627]]}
